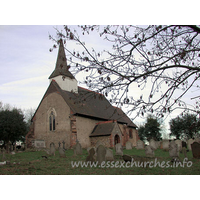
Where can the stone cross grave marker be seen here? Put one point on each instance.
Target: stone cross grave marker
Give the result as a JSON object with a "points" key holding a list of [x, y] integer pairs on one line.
{"points": [[195, 149], [63, 144], [101, 154], [52, 149], [118, 149], [128, 145]]}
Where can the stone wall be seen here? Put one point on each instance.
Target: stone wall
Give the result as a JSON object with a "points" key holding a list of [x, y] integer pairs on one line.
{"points": [[105, 140], [84, 128], [53, 102]]}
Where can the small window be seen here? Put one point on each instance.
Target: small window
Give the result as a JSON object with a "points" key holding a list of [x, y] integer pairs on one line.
{"points": [[52, 122]]}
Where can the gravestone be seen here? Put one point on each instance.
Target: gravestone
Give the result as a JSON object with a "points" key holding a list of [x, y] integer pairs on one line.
{"points": [[118, 149], [189, 142], [52, 149], [77, 149], [61, 152], [59, 143], [101, 154], [197, 140], [165, 145], [173, 149], [149, 151], [179, 143], [152, 144], [158, 144], [128, 145], [140, 144], [195, 149], [90, 157], [109, 155], [63, 145]]}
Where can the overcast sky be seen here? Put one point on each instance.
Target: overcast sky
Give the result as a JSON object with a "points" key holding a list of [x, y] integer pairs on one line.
{"points": [[26, 63]]}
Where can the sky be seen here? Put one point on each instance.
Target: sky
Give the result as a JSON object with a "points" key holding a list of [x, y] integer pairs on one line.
{"points": [[26, 63]]}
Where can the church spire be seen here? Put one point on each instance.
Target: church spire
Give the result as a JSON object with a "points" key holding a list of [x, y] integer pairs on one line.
{"points": [[61, 65], [61, 73]]}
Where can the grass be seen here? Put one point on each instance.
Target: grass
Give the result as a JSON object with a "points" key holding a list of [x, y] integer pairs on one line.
{"points": [[32, 163]]}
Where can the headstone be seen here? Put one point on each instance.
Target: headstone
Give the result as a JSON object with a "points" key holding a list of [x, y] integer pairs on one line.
{"points": [[128, 145], [109, 155], [152, 144], [90, 157], [195, 149], [189, 142], [61, 152], [101, 154], [158, 144], [52, 149], [179, 143], [149, 151], [197, 140], [118, 149], [77, 149], [63, 144], [140, 144], [59, 143], [173, 149], [165, 145]]}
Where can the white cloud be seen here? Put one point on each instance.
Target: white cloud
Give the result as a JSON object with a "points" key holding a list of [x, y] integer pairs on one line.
{"points": [[24, 93]]}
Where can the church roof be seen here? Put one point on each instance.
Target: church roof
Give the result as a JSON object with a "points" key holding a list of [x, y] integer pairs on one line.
{"points": [[91, 104], [61, 64]]}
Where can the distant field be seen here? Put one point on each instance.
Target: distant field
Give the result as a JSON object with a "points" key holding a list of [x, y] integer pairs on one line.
{"points": [[32, 163]]}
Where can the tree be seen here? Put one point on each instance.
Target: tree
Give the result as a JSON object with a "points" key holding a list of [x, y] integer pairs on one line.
{"points": [[185, 127], [163, 61], [12, 125], [150, 130]]}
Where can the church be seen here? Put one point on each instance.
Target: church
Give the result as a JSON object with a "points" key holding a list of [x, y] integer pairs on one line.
{"points": [[68, 113]]}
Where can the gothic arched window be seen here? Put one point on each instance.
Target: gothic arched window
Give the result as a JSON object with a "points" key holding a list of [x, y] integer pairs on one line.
{"points": [[52, 122]]}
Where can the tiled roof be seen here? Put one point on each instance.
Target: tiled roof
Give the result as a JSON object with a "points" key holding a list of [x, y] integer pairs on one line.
{"points": [[103, 129], [92, 104]]}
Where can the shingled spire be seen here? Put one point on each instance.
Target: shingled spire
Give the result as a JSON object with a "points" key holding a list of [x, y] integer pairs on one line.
{"points": [[61, 64], [61, 73]]}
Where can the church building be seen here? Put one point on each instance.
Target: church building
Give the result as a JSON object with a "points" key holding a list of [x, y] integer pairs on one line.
{"points": [[68, 113]]}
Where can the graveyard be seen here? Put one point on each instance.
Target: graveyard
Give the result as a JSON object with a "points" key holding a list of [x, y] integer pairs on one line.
{"points": [[42, 162]]}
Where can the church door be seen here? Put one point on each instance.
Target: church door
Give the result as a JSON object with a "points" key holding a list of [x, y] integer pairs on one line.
{"points": [[117, 139]]}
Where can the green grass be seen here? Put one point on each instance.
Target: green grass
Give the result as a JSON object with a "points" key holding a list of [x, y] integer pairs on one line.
{"points": [[32, 163]]}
